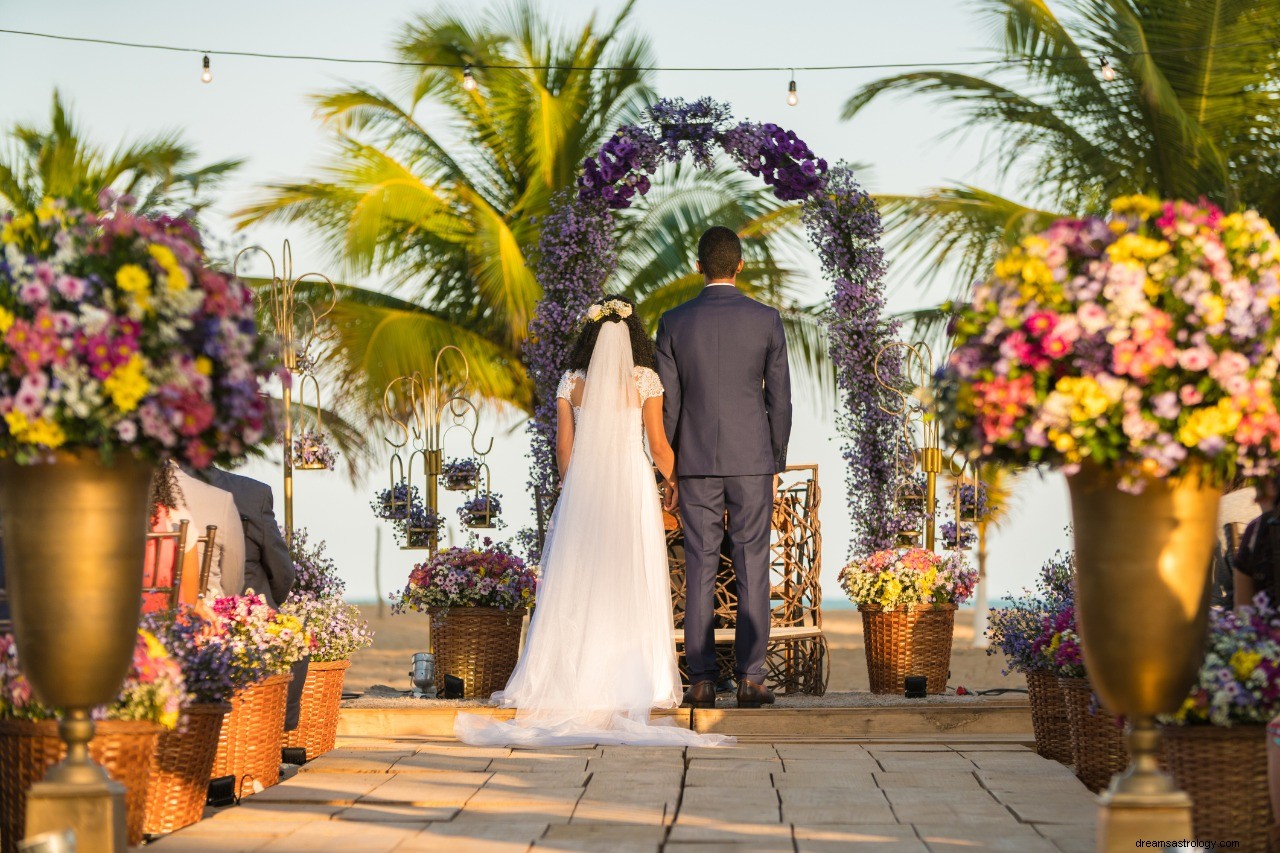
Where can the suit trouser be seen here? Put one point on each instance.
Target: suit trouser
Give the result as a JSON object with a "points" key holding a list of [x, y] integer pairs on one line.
{"points": [[703, 502]]}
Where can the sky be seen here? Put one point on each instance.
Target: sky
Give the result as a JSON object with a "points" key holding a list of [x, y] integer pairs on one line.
{"points": [[259, 110]]}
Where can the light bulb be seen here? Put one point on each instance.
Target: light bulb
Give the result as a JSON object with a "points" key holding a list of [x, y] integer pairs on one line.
{"points": [[468, 82], [792, 97], [206, 76], [1108, 73]]}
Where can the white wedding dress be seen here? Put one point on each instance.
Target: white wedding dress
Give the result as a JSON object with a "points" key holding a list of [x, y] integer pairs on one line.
{"points": [[599, 654]]}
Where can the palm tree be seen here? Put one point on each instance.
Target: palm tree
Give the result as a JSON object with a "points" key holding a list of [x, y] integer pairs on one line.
{"points": [[59, 162], [1192, 111], [440, 193]]}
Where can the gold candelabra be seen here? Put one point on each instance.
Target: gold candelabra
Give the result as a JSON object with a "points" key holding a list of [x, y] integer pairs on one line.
{"points": [[431, 411], [296, 331], [911, 400]]}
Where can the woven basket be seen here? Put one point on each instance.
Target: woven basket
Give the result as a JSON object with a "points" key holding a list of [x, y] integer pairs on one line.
{"points": [[318, 715], [180, 769], [480, 645], [1225, 772], [911, 641], [29, 749], [1049, 716], [252, 733], [1098, 748]]}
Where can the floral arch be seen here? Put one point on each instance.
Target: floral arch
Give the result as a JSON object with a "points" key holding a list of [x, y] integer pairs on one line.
{"points": [[577, 257]]}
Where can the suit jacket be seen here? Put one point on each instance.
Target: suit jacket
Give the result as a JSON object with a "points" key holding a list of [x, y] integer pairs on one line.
{"points": [[722, 358], [268, 567]]}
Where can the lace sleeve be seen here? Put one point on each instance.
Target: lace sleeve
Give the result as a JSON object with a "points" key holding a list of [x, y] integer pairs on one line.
{"points": [[568, 382], [648, 383]]}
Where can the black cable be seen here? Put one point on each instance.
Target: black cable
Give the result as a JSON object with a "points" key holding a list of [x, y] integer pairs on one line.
{"points": [[713, 69]]}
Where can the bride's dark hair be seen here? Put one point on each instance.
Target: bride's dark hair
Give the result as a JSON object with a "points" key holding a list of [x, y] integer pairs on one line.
{"points": [[642, 349]]}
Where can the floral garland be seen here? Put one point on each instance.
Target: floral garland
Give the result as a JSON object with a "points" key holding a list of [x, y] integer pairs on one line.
{"points": [[577, 256]]}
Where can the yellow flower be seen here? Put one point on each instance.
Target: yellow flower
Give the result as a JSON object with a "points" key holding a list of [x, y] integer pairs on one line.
{"points": [[1221, 419], [48, 211], [204, 366], [1244, 663], [154, 647], [1136, 250], [176, 278], [44, 433], [6, 321], [1141, 206], [132, 278], [1215, 309], [128, 384], [1088, 400]]}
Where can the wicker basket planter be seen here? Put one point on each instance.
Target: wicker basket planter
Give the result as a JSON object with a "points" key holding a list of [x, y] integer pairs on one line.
{"points": [[1097, 739], [28, 749], [1049, 716], [252, 734], [910, 641], [318, 714], [180, 769], [480, 645], [1225, 772]]}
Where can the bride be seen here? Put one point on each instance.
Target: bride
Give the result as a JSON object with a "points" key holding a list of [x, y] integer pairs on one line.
{"points": [[599, 654]]}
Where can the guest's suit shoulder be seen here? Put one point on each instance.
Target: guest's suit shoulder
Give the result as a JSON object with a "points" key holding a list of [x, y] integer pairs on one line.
{"points": [[249, 489]]}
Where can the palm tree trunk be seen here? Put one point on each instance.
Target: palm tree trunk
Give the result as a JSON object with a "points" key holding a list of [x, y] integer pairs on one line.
{"points": [[981, 609]]}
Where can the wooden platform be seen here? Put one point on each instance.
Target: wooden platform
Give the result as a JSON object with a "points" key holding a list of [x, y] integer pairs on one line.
{"points": [[1007, 720]]}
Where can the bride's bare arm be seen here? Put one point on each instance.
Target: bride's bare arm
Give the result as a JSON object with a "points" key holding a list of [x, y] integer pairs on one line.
{"points": [[659, 448], [564, 435]]}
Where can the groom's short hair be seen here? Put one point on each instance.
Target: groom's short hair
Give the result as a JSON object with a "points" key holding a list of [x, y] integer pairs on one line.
{"points": [[719, 252]]}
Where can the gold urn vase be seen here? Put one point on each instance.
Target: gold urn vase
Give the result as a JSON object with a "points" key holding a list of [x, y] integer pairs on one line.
{"points": [[1142, 594], [74, 546]]}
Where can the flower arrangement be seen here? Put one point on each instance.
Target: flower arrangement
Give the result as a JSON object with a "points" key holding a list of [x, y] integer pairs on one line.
{"points": [[257, 637], [214, 666], [118, 337], [315, 571], [1145, 343], [460, 474], [152, 690], [481, 509], [899, 579], [335, 628], [485, 576], [970, 501], [1239, 680], [578, 253], [393, 504], [1015, 629], [1057, 646], [311, 451], [956, 538], [412, 523]]}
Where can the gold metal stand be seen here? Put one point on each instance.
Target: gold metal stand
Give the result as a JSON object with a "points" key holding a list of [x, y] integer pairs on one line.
{"points": [[431, 410], [295, 332]]}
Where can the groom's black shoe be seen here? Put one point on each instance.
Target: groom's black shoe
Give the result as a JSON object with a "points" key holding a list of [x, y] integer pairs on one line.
{"points": [[701, 694], [752, 695]]}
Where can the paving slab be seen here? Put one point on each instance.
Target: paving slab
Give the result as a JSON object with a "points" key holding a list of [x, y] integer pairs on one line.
{"points": [[839, 838], [356, 761], [953, 837], [330, 788], [706, 777]]}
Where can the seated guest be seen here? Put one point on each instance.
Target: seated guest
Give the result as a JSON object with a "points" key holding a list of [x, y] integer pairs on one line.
{"points": [[1237, 508], [268, 568], [1257, 563], [176, 496]]}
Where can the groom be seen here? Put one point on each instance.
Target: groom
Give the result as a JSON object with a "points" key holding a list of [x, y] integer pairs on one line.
{"points": [[722, 358]]}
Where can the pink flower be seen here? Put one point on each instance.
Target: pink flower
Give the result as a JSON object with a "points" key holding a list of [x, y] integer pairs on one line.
{"points": [[33, 293], [1189, 395], [1092, 317], [199, 455], [70, 288], [1229, 364], [1197, 358]]}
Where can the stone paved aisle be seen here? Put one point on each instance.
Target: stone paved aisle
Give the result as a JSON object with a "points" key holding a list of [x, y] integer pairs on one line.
{"points": [[418, 795]]}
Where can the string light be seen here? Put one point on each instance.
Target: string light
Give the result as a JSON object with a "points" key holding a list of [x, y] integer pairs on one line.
{"points": [[792, 97], [1108, 73], [1005, 62], [206, 76], [468, 82]]}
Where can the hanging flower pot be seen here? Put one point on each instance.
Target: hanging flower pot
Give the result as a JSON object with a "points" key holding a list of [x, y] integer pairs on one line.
{"points": [[460, 475], [311, 452], [393, 504], [481, 511]]}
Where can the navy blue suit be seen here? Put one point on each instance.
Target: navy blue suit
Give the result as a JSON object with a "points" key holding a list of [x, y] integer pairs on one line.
{"points": [[722, 358]]}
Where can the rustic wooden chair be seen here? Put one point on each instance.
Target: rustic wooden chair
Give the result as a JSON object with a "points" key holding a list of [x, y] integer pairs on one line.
{"points": [[155, 562]]}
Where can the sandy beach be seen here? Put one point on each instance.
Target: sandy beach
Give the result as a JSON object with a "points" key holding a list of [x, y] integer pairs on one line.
{"points": [[387, 662]]}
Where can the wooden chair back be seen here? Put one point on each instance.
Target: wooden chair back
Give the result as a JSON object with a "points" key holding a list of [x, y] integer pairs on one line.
{"points": [[156, 558], [208, 542]]}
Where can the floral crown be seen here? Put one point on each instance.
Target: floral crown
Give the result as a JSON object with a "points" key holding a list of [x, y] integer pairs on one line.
{"points": [[609, 308]]}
